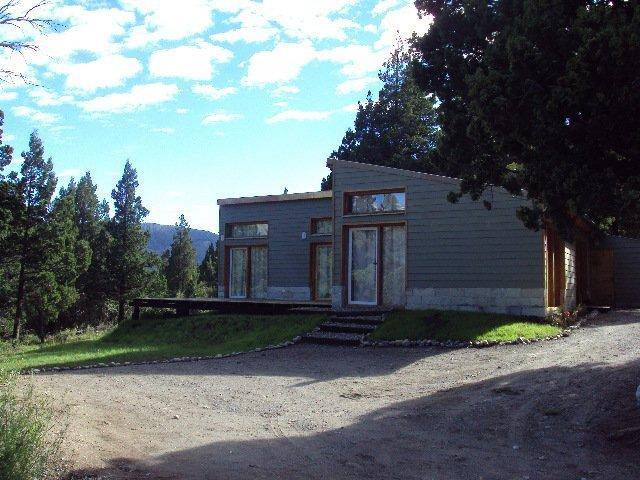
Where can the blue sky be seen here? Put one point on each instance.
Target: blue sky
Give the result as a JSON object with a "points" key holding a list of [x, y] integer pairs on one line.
{"points": [[214, 99]]}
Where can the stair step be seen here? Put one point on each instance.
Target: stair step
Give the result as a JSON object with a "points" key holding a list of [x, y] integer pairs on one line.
{"points": [[333, 338], [347, 327], [362, 319]]}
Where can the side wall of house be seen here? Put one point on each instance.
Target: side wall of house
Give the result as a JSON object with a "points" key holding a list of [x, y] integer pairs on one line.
{"points": [[288, 252], [626, 271], [459, 256], [570, 291]]}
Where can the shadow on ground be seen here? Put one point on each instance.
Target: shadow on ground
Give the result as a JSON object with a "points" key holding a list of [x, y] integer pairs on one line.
{"points": [[553, 423]]}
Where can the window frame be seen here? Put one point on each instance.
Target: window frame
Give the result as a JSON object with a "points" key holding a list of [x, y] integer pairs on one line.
{"points": [[348, 195], [229, 229], [313, 226]]}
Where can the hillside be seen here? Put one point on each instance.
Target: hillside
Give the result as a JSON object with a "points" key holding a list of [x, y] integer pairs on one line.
{"points": [[161, 237]]}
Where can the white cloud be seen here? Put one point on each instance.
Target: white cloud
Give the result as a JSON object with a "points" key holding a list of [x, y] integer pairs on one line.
{"points": [[357, 60], [299, 115], [138, 97], [281, 104], [182, 111], [71, 172], [352, 107], [284, 89], [211, 92], [166, 20], [48, 98], [355, 85], [108, 71], [403, 21], [166, 130], [281, 64], [36, 116], [384, 5], [250, 34], [8, 137], [93, 31], [218, 117], [8, 96], [192, 62]]}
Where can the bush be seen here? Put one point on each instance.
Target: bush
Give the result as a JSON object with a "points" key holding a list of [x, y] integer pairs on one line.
{"points": [[28, 450]]}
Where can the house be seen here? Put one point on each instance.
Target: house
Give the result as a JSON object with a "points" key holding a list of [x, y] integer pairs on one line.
{"points": [[386, 237]]}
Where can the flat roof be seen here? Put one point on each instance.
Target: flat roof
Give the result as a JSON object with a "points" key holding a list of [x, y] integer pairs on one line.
{"points": [[285, 197]]}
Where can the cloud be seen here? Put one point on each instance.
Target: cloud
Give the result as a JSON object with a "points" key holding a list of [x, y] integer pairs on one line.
{"points": [[352, 107], [8, 137], [279, 65], [47, 98], [8, 96], [36, 116], [192, 62], [357, 60], [166, 130], [166, 20], [384, 5], [71, 172], [284, 89], [108, 71], [211, 92], [403, 21], [298, 115], [251, 34], [182, 111], [281, 104], [138, 97], [220, 116], [355, 85]]}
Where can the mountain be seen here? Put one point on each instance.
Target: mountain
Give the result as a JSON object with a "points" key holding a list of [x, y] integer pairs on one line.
{"points": [[161, 237]]}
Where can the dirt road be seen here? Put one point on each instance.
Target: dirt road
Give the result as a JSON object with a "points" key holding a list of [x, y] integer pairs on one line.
{"points": [[539, 411]]}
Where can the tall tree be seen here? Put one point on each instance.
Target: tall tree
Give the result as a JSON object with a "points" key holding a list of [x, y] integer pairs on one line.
{"points": [[541, 98], [33, 189], [7, 207], [182, 270], [52, 289], [127, 256], [399, 129], [208, 271]]}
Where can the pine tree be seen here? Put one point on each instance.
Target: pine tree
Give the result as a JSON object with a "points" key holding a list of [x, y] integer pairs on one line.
{"points": [[7, 207], [400, 129], [182, 272], [208, 271], [52, 289], [33, 189], [127, 255]]}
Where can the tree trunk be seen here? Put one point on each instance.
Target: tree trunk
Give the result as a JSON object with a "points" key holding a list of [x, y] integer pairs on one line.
{"points": [[19, 301]]}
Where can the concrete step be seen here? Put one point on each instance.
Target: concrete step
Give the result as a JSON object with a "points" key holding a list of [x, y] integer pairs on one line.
{"points": [[361, 319], [333, 338], [345, 327]]}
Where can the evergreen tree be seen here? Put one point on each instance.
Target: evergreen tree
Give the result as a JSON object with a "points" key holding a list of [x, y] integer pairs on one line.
{"points": [[33, 189], [182, 271], [52, 289], [208, 271], [400, 129], [7, 207], [542, 99], [127, 256]]}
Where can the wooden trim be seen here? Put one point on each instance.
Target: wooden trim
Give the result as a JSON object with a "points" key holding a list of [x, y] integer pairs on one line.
{"points": [[276, 198]]}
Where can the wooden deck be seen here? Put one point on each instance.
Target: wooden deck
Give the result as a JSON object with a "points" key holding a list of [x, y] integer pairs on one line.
{"points": [[183, 306]]}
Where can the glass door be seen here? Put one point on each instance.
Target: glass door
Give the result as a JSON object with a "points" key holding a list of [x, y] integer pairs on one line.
{"points": [[258, 272], [394, 244], [363, 266], [323, 268], [238, 265]]}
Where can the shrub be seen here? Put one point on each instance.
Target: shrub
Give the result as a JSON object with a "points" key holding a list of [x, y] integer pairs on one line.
{"points": [[28, 449]]}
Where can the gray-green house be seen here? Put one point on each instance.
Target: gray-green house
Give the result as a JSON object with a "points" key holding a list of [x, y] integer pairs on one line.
{"points": [[389, 237]]}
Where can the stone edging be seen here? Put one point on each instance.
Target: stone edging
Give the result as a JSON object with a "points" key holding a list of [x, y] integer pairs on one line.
{"points": [[156, 362], [476, 344]]}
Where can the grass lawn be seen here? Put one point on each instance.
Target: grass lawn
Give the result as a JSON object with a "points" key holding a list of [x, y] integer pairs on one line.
{"points": [[160, 338], [453, 325]]}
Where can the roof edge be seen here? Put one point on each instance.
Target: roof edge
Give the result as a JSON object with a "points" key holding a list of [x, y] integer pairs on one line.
{"points": [[397, 171], [285, 197]]}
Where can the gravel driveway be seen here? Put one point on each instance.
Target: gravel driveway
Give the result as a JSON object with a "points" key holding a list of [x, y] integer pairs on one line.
{"points": [[539, 411]]}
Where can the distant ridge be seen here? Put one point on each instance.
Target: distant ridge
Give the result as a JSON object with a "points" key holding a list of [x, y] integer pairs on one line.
{"points": [[161, 237]]}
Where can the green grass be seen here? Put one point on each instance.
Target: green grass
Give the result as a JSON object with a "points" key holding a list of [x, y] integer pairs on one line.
{"points": [[160, 338], [454, 325]]}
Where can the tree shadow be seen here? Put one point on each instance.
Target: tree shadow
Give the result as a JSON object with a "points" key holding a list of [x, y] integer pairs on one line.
{"points": [[552, 423]]}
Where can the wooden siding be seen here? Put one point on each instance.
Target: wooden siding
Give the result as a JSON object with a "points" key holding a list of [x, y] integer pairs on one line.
{"points": [[288, 252], [449, 245], [626, 270]]}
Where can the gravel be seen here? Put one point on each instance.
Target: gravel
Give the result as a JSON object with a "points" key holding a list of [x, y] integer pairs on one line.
{"points": [[311, 412]]}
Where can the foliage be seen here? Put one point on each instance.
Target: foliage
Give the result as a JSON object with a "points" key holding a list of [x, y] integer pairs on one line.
{"points": [[28, 449], [399, 129], [454, 325], [542, 99], [208, 271], [182, 271], [154, 338], [128, 256]]}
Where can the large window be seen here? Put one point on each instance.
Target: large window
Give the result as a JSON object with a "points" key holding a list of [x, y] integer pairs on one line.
{"points": [[383, 202], [248, 230], [321, 226]]}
